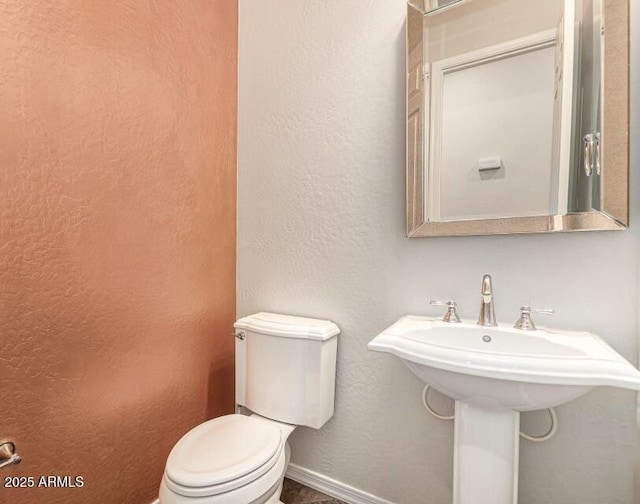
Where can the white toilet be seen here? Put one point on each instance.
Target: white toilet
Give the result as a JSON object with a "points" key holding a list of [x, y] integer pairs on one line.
{"points": [[285, 374]]}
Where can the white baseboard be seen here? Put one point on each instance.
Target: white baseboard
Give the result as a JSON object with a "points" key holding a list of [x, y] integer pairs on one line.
{"points": [[331, 487]]}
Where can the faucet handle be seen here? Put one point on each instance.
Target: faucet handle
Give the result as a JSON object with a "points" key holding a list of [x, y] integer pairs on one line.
{"points": [[452, 313], [524, 322]]}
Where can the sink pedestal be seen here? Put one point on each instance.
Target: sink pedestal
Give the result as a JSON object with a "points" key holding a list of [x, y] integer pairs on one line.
{"points": [[485, 454]]}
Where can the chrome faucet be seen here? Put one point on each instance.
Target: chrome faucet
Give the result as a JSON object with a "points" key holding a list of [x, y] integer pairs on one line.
{"points": [[487, 315]]}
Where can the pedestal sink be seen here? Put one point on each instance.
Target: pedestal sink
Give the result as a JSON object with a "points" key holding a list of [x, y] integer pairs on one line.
{"points": [[494, 373]]}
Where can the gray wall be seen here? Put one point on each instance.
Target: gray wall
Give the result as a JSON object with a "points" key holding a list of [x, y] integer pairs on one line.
{"points": [[321, 233]]}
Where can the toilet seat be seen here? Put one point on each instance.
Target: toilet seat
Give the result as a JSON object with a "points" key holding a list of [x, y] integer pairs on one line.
{"points": [[225, 455]]}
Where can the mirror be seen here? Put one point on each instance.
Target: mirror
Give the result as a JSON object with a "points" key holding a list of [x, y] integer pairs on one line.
{"points": [[517, 116]]}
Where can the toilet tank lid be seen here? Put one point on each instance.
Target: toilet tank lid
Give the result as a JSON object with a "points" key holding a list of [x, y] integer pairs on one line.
{"points": [[288, 326]]}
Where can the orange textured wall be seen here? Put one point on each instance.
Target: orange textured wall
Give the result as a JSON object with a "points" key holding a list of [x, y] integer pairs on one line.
{"points": [[117, 237]]}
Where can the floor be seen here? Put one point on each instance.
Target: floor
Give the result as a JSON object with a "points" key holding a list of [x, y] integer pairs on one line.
{"points": [[295, 493]]}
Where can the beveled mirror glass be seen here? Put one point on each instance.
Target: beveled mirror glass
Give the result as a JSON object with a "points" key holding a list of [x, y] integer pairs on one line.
{"points": [[517, 116]]}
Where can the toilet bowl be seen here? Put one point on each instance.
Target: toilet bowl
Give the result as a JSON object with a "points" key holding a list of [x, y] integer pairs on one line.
{"points": [[285, 375], [234, 459]]}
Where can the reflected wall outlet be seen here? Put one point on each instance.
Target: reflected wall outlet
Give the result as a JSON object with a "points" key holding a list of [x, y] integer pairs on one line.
{"points": [[490, 164]]}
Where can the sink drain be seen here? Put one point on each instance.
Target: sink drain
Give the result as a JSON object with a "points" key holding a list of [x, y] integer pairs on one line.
{"points": [[486, 338]]}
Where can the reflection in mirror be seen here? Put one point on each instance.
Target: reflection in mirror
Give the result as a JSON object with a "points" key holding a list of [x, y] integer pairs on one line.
{"points": [[506, 126]]}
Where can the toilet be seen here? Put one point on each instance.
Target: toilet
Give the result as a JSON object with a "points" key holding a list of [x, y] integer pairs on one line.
{"points": [[285, 375]]}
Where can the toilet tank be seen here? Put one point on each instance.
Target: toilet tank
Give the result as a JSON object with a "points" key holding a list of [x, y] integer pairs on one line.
{"points": [[286, 367]]}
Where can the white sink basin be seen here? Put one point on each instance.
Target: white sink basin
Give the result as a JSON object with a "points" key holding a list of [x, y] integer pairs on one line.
{"points": [[505, 367]]}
